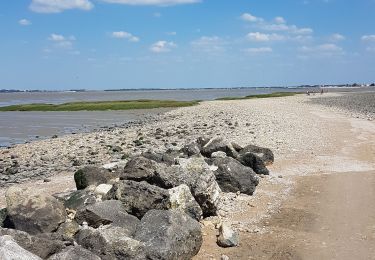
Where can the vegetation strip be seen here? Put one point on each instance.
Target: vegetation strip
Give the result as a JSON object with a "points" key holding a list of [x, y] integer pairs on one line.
{"points": [[275, 94], [100, 106]]}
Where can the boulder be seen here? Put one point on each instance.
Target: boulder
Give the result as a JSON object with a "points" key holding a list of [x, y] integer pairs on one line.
{"points": [[218, 144], [74, 253], [103, 189], [141, 169], [10, 250], [92, 176], [34, 213], [218, 154], [254, 162], [236, 146], [180, 198], [80, 198], [169, 235], [107, 212], [191, 149], [68, 229], [202, 183], [232, 176], [263, 153], [227, 236], [139, 197], [39, 246], [115, 165], [111, 243], [3, 216]]}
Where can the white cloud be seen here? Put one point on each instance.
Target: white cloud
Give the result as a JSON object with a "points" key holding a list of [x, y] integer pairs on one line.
{"points": [[57, 6], [259, 50], [162, 46], [287, 28], [263, 37], [62, 41], [24, 22], [56, 37], [209, 44], [336, 37], [323, 49], [125, 35], [171, 33], [250, 18], [152, 2], [368, 37], [280, 20]]}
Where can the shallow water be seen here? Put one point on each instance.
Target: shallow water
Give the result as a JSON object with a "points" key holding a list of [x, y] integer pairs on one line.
{"points": [[19, 127]]}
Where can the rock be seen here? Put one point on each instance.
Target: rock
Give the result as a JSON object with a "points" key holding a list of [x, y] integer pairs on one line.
{"points": [[141, 169], [115, 165], [157, 157], [181, 199], [202, 183], [227, 237], [110, 243], [68, 229], [10, 250], [74, 253], [34, 213], [103, 189], [169, 235], [139, 197], [234, 177], [254, 162], [191, 149], [39, 246], [263, 153], [224, 257], [218, 154], [107, 212], [3, 217], [79, 199], [218, 144], [92, 176], [236, 146]]}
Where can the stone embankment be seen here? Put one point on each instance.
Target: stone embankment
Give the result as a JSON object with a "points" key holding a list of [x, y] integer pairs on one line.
{"points": [[148, 206]]}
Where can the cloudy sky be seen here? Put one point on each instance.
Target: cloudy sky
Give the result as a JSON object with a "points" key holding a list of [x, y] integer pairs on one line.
{"points": [[102, 44]]}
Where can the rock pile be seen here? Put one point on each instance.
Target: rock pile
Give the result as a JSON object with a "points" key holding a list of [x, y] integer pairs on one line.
{"points": [[148, 209]]}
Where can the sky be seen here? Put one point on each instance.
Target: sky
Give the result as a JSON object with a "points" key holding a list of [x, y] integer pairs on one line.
{"points": [[112, 44]]}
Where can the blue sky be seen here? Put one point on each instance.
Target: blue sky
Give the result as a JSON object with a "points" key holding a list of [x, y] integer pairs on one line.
{"points": [[106, 44]]}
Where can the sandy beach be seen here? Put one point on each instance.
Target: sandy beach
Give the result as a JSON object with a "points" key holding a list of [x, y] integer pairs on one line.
{"points": [[315, 204]]}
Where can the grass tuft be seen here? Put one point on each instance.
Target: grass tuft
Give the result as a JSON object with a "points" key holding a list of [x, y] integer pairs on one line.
{"points": [[101, 105]]}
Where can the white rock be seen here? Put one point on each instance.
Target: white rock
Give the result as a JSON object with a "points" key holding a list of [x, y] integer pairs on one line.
{"points": [[103, 189], [228, 237], [218, 154], [10, 250], [115, 165]]}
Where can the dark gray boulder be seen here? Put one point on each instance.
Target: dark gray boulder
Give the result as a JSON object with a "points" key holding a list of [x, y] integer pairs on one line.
{"points": [[107, 212], [80, 198], [139, 197], [42, 247], [92, 176], [141, 169], [191, 149], [34, 213], [74, 253], [68, 229], [218, 144], [254, 162], [111, 243], [263, 153], [232, 176], [169, 235]]}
